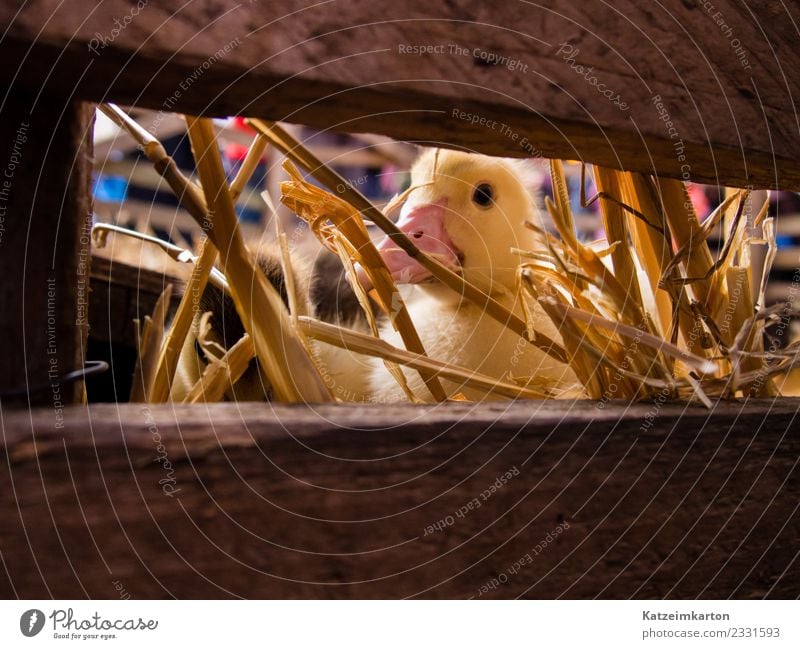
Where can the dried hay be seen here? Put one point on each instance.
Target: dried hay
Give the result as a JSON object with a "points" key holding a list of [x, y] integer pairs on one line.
{"points": [[648, 312]]}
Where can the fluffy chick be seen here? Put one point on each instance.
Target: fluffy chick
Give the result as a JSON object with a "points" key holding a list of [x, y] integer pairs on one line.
{"points": [[469, 211]]}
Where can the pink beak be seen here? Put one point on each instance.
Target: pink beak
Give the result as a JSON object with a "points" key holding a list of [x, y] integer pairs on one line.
{"points": [[424, 225]]}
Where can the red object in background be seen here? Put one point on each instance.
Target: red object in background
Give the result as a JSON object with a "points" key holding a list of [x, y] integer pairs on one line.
{"points": [[702, 206], [236, 152], [390, 179]]}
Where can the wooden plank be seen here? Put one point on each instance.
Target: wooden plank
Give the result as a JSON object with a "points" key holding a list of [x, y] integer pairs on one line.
{"points": [[724, 78], [45, 205], [259, 500], [120, 294]]}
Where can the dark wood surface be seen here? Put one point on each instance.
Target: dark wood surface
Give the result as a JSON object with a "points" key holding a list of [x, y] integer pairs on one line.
{"points": [[727, 78], [45, 201], [334, 501], [122, 293], [278, 501]]}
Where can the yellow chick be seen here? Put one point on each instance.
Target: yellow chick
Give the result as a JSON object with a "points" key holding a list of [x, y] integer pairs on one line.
{"points": [[468, 210]]}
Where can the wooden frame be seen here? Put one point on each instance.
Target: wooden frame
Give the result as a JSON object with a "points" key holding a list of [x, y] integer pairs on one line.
{"points": [[345, 70], [671, 502], [255, 500]]}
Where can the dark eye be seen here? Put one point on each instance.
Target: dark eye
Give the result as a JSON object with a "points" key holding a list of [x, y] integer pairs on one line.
{"points": [[483, 196]]}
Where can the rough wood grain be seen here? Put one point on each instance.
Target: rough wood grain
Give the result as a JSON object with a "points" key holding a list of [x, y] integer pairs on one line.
{"points": [[45, 205], [281, 501], [726, 77], [120, 294]]}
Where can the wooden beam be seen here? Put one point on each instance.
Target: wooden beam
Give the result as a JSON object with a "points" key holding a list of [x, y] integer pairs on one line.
{"points": [[121, 294], [692, 93], [639, 500], [45, 205]]}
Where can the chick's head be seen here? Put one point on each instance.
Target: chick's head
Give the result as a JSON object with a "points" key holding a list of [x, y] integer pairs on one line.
{"points": [[468, 210]]}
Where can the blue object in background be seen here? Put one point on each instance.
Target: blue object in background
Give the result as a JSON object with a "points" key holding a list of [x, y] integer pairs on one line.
{"points": [[247, 215], [111, 189]]}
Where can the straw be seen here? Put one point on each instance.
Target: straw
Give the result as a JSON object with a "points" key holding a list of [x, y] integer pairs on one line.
{"points": [[282, 358], [300, 155]]}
